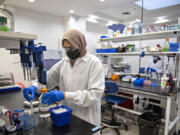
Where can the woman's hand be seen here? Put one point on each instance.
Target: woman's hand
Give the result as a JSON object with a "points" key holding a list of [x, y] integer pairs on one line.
{"points": [[52, 97]]}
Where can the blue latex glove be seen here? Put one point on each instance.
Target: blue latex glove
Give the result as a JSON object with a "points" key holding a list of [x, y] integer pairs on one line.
{"points": [[29, 93], [52, 97], [153, 70], [147, 70]]}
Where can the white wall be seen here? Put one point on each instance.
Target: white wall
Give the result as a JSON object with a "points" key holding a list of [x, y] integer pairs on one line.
{"points": [[93, 33], [74, 22], [48, 28]]}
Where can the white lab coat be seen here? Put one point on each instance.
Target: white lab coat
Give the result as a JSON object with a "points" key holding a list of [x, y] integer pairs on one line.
{"points": [[83, 85], [158, 66]]}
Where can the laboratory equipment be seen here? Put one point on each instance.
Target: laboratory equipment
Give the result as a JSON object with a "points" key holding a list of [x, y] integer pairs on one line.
{"points": [[60, 119], [131, 47], [115, 77], [121, 49], [139, 82], [164, 79], [8, 13], [109, 50], [170, 84], [173, 47], [6, 79], [3, 24], [28, 121], [19, 123], [7, 83], [136, 27], [31, 57], [13, 117], [41, 74], [59, 110], [127, 78], [117, 29], [27, 104], [2, 124], [147, 83], [166, 45], [43, 108]]}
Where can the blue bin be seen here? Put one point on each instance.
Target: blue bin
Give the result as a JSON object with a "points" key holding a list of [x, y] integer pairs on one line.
{"points": [[61, 119], [173, 47], [110, 50], [139, 82]]}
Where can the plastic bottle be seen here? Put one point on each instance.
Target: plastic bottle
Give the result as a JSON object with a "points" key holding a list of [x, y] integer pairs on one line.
{"points": [[166, 45], [3, 24], [137, 27], [43, 108], [164, 81]]}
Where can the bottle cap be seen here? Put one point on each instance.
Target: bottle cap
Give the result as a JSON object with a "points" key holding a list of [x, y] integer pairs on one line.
{"points": [[44, 90]]}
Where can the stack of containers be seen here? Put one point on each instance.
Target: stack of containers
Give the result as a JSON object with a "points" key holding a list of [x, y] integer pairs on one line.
{"points": [[173, 47]]}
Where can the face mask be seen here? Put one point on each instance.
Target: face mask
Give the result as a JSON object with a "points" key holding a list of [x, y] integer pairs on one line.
{"points": [[73, 53]]}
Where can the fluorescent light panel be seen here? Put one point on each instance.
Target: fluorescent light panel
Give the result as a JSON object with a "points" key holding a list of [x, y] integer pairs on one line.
{"points": [[156, 4], [93, 16], [71, 11], [92, 20], [111, 23], [162, 21], [31, 1], [161, 17]]}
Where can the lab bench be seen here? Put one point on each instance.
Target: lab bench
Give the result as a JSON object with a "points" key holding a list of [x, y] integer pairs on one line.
{"points": [[156, 93], [77, 126]]}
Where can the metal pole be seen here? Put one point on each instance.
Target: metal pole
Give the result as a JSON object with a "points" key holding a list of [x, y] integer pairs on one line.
{"points": [[168, 110], [142, 11]]}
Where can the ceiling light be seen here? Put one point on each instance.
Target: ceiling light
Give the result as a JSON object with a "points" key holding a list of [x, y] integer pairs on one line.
{"points": [[111, 23], [31, 1], [91, 20], [162, 21], [71, 11], [101, 0], [156, 4], [161, 17], [94, 17]]}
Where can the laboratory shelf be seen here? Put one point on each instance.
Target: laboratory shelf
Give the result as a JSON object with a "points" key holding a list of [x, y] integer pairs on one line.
{"points": [[145, 36], [138, 53], [16, 36], [117, 54]]}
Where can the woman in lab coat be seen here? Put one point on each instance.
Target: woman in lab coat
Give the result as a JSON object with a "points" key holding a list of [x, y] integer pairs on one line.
{"points": [[80, 79], [155, 67]]}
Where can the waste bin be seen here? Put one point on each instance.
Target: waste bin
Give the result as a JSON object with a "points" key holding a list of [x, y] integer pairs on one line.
{"points": [[149, 123]]}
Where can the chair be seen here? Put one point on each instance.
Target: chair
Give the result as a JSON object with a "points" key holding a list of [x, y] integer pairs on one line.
{"points": [[110, 99]]}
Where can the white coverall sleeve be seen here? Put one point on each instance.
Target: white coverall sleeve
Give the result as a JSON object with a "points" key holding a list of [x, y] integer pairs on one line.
{"points": [[95, 88], [53, 76]]}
